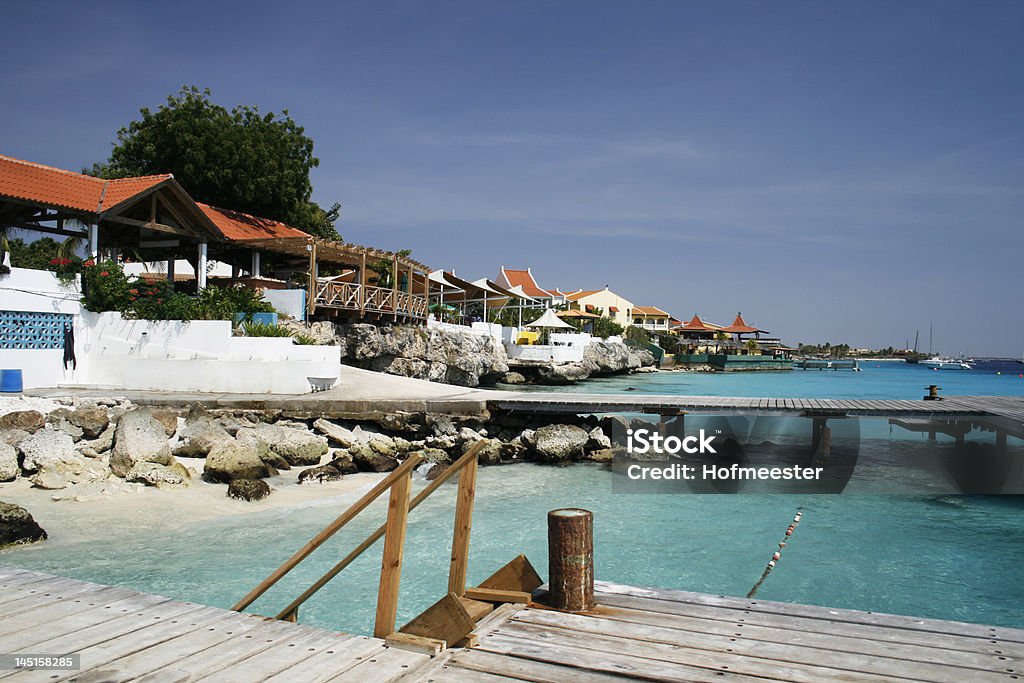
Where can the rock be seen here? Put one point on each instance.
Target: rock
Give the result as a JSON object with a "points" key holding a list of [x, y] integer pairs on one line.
{"points": [[274, 460], [92, 420], [248, 489], [563, 373], [12, 437], [558, 443], [298, 446], [441, 425], [152, 474], [467, 435], [9, 469], [436, 471], [383, 447], [230, 460], [30, 421], [367, 460], [46, 448], [62, 425], [513, 377], [96, 447], [445, 442], [139, 437], [320, 474], [48, 479], [343, 462], [528, 438], [597, 440], [168, 419], [17, 525], [200, 433], [436, 456], [490, 454], [601, 455], [335, 434], [512, 451], [438, 355]]}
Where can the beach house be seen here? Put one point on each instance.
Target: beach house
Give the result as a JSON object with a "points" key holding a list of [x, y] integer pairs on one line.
{"points": [[651, 318], [603, 302]]}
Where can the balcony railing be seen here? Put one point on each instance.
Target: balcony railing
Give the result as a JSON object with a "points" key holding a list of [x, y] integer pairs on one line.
{"points": [[352, 296]]}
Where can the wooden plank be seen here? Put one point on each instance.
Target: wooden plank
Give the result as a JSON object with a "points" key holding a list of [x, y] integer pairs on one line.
{"points": [[463, 524], [931, 650], [37, 595], [413, 643], [569, 653], [390, 664], [899, 662], [815, 612], [477, 609], [459, 675], [43, 609], [518, 575], [446, 620], [522, 669], [326, 664], [292, 650], [391, 561], [783, 622], [495, 595]]}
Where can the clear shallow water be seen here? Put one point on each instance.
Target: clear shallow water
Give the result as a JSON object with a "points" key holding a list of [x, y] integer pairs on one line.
{"points": [[942, 556]]}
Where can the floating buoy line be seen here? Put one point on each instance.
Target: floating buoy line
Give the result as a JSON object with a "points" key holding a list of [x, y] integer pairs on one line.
{"points": [[778, 553]]}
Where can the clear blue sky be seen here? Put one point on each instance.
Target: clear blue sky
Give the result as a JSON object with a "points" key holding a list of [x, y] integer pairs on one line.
{"points": [[835, 171]]}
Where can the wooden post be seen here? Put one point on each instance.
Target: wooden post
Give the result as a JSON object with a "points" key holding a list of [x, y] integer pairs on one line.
{"points": [[571, 559], [463, 524], [362, 284], [311, 298], [394, 287], [391, 563]]}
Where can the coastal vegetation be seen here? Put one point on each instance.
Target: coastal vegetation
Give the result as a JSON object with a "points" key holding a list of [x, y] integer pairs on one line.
{"points": [[241, 159]]}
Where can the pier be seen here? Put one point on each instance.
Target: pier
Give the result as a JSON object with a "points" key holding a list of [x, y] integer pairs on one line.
{"points": [[657, 635]]}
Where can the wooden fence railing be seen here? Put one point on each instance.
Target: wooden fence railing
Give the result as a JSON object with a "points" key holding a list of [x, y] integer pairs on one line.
{"points": [[398, 483], [364, 298]]}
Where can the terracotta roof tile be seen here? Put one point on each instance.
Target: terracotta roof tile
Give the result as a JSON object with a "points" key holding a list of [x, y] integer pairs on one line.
{"points": [[65, 189], [576, 296], [653, 311], [241, 226], [740, 327], [524, 278]]}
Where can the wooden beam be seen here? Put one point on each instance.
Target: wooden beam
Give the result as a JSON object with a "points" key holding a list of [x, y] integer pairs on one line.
{"points": [[459, 562], [311, 297], [495, 595], [447, 620], [420, 644], [391, 562], [362, 289], [156, 227], [517, 575]]}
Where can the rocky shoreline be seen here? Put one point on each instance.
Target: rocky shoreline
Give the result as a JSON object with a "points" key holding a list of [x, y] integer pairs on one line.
{"points": [[92, 449], [462, 358]]}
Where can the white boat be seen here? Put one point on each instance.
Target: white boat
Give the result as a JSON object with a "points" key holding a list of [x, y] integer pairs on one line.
{"points": [[941, 363]]}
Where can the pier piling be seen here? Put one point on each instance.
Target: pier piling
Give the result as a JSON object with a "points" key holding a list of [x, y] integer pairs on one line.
{"points": [[571, 559]]}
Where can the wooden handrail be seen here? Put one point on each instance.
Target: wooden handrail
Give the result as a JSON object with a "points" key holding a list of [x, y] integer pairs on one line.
{"points": [[456, 467], [328, 531]]}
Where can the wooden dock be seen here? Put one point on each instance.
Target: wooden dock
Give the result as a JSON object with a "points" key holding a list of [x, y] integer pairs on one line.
{"points": [[633, 633]]}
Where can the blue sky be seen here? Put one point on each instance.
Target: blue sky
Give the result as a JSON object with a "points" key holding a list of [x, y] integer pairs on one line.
{"points": [[835, 171]]}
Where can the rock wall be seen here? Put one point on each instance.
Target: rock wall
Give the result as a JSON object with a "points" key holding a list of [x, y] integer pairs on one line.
{"points": [[600, 358], [437, 355]]}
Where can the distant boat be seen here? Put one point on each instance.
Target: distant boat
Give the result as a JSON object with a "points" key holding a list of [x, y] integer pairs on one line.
{"points": [[940, 363]]}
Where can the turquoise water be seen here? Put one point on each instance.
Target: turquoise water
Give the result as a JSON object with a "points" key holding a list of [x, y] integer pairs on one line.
{"points": [[952, 557]]}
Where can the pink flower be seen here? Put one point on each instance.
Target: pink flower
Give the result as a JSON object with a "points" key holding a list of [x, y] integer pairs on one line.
{"points": [[104, 273]]}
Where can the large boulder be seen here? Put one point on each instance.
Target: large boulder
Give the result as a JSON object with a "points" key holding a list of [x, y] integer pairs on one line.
{"points": [[200, 433], [298, 446], [320, 474], [152, 474], [558, 443], [28, 420], [47, 448], [139, 437], [92, 420], [563, 373], [230, 460], [17, 525], [368, 460], [94, 448], [336, 434], [9, 469], [248, 489]]}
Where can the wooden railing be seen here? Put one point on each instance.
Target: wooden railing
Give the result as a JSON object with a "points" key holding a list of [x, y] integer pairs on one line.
{"points": [[398, 483], [364, 298]]}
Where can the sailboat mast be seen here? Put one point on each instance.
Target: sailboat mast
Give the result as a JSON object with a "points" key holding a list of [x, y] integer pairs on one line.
{"points": [[929, 339]]}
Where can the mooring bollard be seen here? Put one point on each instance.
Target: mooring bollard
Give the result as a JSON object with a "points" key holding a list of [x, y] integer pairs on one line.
{"points": [[933, 393], [571, 559]]}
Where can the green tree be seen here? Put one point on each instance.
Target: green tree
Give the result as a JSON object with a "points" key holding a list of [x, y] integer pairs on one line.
{"points": [[239, 159], [384, 268]]}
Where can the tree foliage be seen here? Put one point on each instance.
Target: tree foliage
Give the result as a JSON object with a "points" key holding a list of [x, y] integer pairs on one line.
{"points": [[239, 159]]}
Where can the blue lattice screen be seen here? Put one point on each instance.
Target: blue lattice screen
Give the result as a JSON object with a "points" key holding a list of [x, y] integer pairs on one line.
{"points": [[28, 330]]}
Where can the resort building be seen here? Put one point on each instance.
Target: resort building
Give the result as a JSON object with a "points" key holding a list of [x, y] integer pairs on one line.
{"points": [[153, 219], [523, 282], [602, 302], [650, 318]]}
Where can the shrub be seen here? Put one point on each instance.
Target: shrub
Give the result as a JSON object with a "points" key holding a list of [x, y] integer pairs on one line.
{"points": [[221, 303], [304, 340], [104, 287], [254, 329], [636, 336]]}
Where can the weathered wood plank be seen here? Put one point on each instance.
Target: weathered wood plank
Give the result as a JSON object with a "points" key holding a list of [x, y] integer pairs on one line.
{"points": [[388, 665], [391, 560], [495, 595], [521, 669], [517, 575], [446, 620], [261, 665], [326, 664]]}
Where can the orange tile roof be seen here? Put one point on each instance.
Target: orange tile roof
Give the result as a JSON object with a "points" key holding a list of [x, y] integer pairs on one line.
{"points": [[576, 296], [65, 189], [740, 327], [649, 311], [236, 225], [524, 279]]}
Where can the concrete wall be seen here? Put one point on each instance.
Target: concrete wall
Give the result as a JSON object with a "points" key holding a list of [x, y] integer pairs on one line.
{"points": [[200, 355], [38, 291]]}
